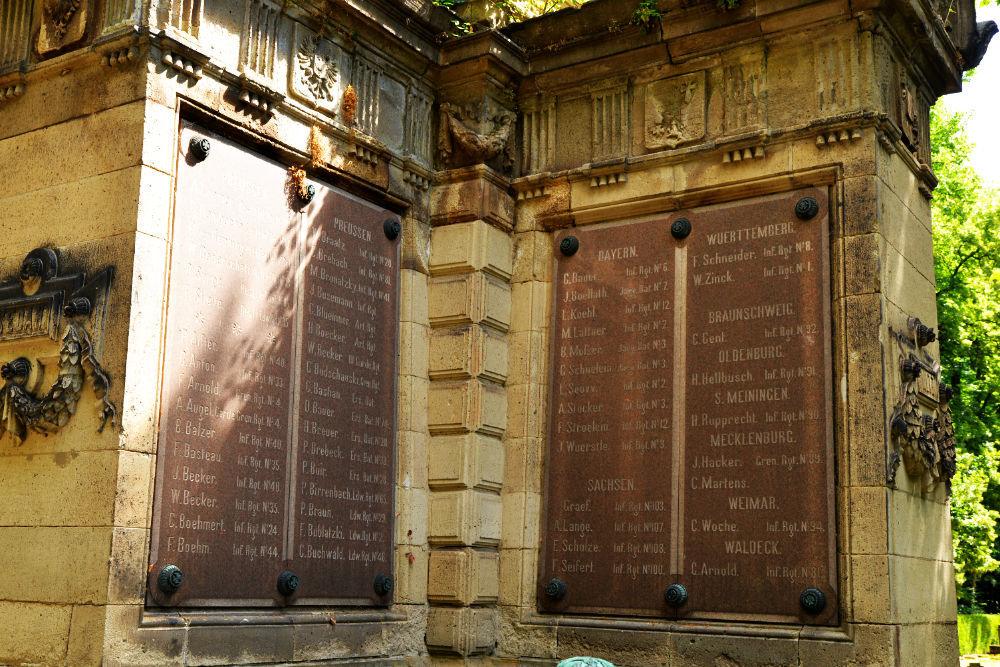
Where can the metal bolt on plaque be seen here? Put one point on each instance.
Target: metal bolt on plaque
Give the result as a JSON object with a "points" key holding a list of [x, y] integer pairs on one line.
{"points": [[675, 595], [199, 146], [681, 228], [569, 245], [307, 193], [170, 579], [806, 208], [392, 229], [288, 582], [812, 600], [555, 590], [383, 584]]}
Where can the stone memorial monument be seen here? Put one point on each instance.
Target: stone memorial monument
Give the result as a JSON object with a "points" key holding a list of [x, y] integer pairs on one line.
{"points": [[330, 336]]}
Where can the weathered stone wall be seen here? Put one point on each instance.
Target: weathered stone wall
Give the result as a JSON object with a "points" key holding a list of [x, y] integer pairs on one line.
{"points": [[485, 145]]}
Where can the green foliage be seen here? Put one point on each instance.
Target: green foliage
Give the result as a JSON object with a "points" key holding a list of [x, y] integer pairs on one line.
{"points": [[967, 272], [646, 15], [976, 632]]}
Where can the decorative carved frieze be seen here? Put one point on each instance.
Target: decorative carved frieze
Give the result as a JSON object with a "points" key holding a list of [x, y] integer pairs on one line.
{"points": [[476, 134], [260, 38], [609, 124], [118, 14], [120, 56], [188, 64], [675, 111], [257, 99], [743, 98], [366, 85], [63, 23], [184, 16], [743, 154], [11, 88], [419, 126], [15, 31], [836, 73], [837, 136], [539, 139], [71, 309]]}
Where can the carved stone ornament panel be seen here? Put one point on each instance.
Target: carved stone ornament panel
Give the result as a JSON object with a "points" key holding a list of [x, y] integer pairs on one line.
{"points": [[318, 68], [922, 432], [63, 22], [476, 134], [69, 310], [675, 111]]}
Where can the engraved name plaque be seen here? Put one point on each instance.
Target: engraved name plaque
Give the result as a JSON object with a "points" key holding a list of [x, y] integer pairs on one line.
{"points": [[276, 441], [690, 435]]}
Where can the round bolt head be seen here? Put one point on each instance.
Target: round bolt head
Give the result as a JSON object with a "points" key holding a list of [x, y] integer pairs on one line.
{"points": [[200, 146], [307, 193], [675, 595], [392, 229], [569, 245], [806, 208], [681, 228], [288, 582], [812, 600], [170, 579], [383, 584], [555, 590]]}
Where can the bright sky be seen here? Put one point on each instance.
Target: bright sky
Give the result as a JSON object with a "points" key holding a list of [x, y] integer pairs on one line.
{"points": [[980, 99]]}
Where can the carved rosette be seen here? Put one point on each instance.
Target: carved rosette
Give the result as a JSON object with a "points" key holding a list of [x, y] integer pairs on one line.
{"points": [[476, 134], [42, 303]]}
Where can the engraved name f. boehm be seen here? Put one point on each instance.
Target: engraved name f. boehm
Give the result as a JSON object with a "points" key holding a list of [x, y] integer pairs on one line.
{"points": [[68, 309]]}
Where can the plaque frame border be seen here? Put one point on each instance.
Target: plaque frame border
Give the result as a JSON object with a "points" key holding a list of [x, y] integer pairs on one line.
{"points": [[830, 181], [264, 612]]}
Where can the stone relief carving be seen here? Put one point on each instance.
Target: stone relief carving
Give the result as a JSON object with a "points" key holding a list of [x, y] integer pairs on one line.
{"points": [[476, 134], [15, 26], [675, 111], [909, 120], [921, 427], [36, 308], [260, 39], [744, 93], [63, 22], [316, 70], [609, 124]]}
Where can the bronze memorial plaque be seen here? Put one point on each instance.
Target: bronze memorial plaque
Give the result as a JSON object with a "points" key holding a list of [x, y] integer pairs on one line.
{"points": [[690, 450], [276, 440]]}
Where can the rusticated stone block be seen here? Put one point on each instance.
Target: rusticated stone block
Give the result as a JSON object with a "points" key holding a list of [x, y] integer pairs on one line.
{"points": [[465, 518], [465, 461], [476, 199], [463, 576], [462, 407], [463, 631], [467, 299], [471, 351], [471, 246]]}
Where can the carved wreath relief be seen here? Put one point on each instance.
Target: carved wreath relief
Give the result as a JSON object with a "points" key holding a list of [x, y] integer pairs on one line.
{"points": [[34, 309], [476, 134], [922, 431], [675, 111]]}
